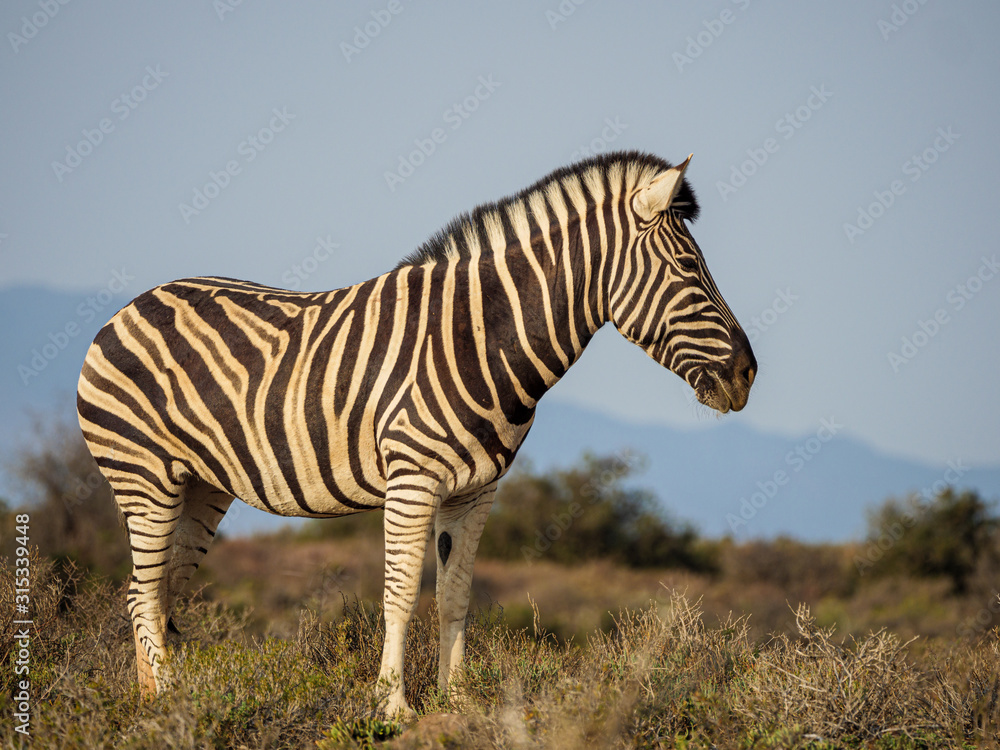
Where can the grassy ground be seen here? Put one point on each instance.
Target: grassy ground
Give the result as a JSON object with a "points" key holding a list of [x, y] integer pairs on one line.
{"points": [[661, 674]]}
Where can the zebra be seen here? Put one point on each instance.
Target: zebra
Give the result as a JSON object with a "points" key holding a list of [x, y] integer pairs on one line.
{"points": [[410, 392]]}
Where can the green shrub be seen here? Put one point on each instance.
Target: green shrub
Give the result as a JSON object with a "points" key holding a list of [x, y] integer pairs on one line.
{"points": [[948, 536], [586, 512]]}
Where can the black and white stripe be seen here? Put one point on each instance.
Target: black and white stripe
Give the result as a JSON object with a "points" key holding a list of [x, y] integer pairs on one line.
{"points": [[411, 391]]}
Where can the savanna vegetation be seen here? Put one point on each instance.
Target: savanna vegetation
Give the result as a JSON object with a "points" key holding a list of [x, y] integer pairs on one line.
{"points": [[598, 621]]}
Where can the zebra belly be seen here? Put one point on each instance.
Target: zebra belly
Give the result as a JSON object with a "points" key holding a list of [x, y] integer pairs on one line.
{"points": [[320, 505], [300, 478]]}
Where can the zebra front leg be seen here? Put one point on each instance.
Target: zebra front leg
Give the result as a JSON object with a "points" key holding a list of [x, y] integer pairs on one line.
{"points": [[457, 531], [410, 506]]}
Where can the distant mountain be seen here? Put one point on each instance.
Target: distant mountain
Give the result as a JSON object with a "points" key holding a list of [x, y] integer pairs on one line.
{"points": [[725, 478], [815, 487]]}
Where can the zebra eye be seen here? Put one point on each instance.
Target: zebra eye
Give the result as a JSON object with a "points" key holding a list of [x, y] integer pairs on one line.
{"points": [[688, 262]]}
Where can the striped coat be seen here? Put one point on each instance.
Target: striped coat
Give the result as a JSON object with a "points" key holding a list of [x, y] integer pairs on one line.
{"points": [[410, 392]]}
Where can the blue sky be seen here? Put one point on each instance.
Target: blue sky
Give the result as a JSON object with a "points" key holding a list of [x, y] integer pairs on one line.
{"points": [[845, 156]]}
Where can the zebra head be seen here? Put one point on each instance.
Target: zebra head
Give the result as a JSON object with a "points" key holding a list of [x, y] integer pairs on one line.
{"points": [[663, 299]]}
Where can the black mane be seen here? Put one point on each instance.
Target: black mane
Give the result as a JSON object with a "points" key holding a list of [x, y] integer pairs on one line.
{"points": [[440, 247]]}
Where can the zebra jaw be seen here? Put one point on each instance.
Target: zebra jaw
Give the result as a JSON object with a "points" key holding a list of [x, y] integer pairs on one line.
{"points": [[715, 397]]}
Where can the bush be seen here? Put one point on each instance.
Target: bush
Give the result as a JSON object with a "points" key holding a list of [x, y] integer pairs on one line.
{"points": [[801, 570], [366, 524], [585, 512], [73, 512], [948, 537]]}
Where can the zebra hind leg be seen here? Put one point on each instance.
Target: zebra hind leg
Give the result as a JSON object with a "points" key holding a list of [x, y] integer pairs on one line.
{"points": [[169, 533], [203, 510], [456, 533], [152, 517]]}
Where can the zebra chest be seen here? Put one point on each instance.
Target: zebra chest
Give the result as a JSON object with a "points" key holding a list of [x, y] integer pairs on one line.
{"points": [[465, 446]]}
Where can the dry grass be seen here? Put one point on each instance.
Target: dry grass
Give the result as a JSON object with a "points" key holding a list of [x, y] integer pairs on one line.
{"points": [[275, 578], [658, 676]]}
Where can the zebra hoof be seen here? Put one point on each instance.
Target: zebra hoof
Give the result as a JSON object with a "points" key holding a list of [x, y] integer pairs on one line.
{"points": [[399, 710]]}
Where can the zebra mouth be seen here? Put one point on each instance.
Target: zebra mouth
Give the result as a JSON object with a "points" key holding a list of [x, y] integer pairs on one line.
{"points": [[712, 392]]}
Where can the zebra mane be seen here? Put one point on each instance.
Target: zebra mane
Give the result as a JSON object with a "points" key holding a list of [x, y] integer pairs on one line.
{"points": [[627, 165]]}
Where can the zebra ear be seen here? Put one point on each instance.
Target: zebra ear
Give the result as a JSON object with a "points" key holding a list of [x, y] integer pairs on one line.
{"points": [[657, 196]]}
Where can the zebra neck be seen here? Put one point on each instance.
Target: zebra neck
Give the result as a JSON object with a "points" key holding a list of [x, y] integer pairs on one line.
{"points": [[541, 305]]}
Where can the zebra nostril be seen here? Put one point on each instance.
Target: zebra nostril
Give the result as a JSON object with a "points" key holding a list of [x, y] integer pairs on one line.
{"points": [[748, 374]]}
